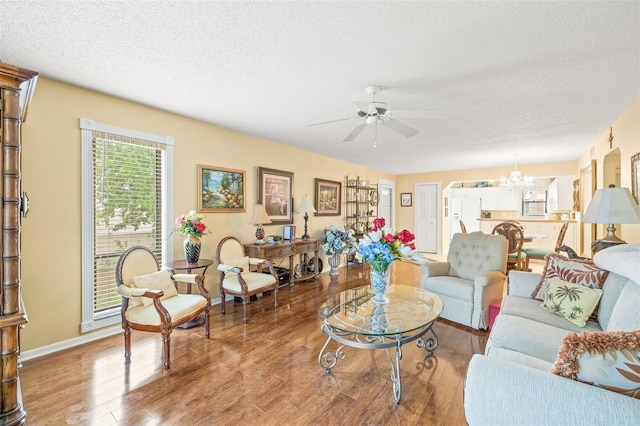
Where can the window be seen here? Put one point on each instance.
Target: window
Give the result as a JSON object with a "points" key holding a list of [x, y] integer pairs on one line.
{"points": [[125, 202]]}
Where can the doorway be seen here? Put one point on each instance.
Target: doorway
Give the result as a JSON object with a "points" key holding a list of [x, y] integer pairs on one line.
{"points": [[386, 202], [427, 217]]}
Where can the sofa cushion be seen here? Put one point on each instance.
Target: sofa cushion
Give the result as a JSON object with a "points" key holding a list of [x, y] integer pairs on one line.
{"points": [[529, 337], [611, 290], [502, 354], [573, 302], [610, 360], [160, 280], [530, 308], [583, 272]]}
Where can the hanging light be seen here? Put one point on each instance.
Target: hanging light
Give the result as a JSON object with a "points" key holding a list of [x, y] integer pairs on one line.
{"points": [[516, 181]]}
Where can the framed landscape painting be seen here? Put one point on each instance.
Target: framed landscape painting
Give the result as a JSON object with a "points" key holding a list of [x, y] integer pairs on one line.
{"points": [[327, 197], [275, 192], [220, 190]]}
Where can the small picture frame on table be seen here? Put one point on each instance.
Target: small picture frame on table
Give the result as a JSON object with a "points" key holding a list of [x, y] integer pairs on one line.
{"points": [[405, 199], [289, 233]]}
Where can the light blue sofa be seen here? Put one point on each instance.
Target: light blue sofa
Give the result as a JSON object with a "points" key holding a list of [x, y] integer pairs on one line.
{"points": [[512, 383]]}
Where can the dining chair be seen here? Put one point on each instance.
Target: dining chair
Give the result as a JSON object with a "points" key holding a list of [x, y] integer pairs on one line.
{"points": [[540, 253], [516, 258], [463, 228]]}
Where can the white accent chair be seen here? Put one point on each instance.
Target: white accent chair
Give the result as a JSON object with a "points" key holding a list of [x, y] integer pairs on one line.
{"points": [[150, 301], [236, 277], [472, 278]]}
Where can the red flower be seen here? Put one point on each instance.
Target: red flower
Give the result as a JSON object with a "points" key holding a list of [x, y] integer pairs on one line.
{"points": [[406, 237], [378, 223]]}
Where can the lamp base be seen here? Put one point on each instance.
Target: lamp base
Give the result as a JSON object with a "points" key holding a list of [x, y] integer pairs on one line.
{"points": [[259, 235], [305, 236], [608, 241]]}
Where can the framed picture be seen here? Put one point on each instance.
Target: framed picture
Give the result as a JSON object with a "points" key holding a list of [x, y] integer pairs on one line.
{"points": [[635, 176], [220, 190], [405, 199], [289, 232], [274, 191], [327, 200]]}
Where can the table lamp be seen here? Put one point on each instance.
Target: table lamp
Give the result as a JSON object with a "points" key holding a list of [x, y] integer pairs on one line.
{"points": [[305, 207], [259, 217], [611, 205]]}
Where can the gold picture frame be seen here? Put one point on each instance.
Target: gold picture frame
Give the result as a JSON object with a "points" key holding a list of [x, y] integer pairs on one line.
{"points": [[221, 190]]}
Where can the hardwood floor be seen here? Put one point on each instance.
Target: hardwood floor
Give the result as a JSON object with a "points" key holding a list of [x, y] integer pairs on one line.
{"points": [[265, 372]]}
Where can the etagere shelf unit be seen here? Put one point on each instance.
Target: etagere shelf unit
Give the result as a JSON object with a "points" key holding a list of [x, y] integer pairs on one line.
{"points": [[361, 206]]}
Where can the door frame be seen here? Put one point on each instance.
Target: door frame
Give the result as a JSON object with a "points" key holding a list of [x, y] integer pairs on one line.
{"points": [[438, 218], [383, 183]]}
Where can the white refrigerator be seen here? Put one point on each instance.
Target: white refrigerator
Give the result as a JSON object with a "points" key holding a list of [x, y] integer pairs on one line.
{"points": [[467, 210]]}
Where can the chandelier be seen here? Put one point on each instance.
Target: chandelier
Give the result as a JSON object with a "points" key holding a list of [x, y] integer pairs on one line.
{"points": [[516, 181]]}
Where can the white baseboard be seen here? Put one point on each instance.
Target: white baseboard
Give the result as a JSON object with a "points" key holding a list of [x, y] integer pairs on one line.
{"points": [[86, 338]]}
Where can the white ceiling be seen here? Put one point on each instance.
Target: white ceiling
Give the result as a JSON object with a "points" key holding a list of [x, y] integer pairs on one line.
{"points": [[540, 80]]}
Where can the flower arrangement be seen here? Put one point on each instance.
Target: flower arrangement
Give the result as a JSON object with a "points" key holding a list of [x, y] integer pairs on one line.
{"points": [[191, 225], [336, 240], [380, 248]]}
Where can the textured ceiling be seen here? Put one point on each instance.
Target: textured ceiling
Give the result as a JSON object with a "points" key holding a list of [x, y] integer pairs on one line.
{"points": [[540, 80]]}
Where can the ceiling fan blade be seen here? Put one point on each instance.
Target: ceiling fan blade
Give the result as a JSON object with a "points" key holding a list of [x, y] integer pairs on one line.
{"points": [[399, 127], [330, 121], [410, 113], [355, 132]]}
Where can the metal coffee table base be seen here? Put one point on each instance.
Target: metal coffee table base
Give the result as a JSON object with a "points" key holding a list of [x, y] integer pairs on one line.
{"points": [[328, 360]]}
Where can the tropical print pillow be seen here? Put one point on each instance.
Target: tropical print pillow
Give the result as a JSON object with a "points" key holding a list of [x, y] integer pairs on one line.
{"points": [[608, 360], [572, 301], [583, 272]]}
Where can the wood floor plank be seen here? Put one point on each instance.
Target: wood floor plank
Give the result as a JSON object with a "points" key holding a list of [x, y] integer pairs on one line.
{"points": [[262, 372]]}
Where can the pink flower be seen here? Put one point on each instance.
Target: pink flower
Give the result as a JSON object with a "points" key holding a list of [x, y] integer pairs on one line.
{"points": [[378, 223]]}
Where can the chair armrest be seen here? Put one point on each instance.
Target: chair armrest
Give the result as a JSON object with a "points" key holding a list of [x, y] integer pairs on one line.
{"points": [[486, 278], [186, 278], [435, 269], [225, 268], [256, 261], [129, 292], [498, 392], [522, 283]]}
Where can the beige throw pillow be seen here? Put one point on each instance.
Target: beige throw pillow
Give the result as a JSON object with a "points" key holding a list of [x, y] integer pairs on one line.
{"points": [[610, 360], [572, 301], [160, 280]]}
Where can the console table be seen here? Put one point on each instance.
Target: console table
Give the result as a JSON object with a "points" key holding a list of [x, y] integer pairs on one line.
{"points": [[288, 250]]}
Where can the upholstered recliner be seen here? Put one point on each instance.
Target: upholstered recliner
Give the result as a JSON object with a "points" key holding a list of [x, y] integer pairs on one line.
{"points": [[150, 301], [473, 277]]}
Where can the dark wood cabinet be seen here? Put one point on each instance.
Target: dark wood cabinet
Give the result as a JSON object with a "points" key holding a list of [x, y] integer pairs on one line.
{"points": [[16, 87]]}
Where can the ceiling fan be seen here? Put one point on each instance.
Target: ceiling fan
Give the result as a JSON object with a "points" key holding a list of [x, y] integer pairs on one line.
{"points": [[374, 112]]}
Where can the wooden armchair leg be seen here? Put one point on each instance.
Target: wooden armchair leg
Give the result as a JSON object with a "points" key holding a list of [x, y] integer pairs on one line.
{"points": [[244, 309], [206, 323], [127, 345], [166, 349]]}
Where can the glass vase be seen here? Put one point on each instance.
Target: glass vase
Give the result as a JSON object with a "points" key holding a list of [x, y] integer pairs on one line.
{"points": [[192, 249], [379, 276]]}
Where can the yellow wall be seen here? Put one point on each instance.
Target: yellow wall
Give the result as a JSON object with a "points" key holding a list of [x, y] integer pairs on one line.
{"points": [[51, 234], [626, 140]]}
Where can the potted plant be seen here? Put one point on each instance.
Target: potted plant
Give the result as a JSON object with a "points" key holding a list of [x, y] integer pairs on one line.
{"points": [[334, 243]]}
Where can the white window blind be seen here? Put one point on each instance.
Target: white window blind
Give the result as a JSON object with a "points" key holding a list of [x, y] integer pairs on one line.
{"points": [[127, 175]]}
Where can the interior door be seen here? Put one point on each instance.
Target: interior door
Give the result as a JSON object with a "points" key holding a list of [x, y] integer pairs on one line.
{"points": [[427, 218], [386, 191]]}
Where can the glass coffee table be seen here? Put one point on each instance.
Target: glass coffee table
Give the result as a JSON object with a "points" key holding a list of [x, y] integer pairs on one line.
{"points": [[352, 319]]}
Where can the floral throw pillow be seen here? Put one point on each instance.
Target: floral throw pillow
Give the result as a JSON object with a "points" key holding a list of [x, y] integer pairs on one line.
{"points": [[572, 301], [610, 360], [582, 272]]}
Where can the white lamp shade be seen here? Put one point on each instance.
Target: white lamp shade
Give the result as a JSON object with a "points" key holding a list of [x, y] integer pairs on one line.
{"points": [[259, 215], [306, 206], [612, 205]]}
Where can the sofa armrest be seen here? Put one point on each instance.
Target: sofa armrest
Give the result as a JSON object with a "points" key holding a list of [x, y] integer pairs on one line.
{"points": [[499, 392], [522, 283], [435, 269]]}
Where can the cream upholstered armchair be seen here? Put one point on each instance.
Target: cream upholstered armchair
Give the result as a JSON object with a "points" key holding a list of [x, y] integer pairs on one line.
{"points": [[150, 301], [237, 278], [471, 279]]}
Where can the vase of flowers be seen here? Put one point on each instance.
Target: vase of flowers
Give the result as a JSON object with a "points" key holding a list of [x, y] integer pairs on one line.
{"points": [[334, 243], [191, 226], [379, 248]]}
